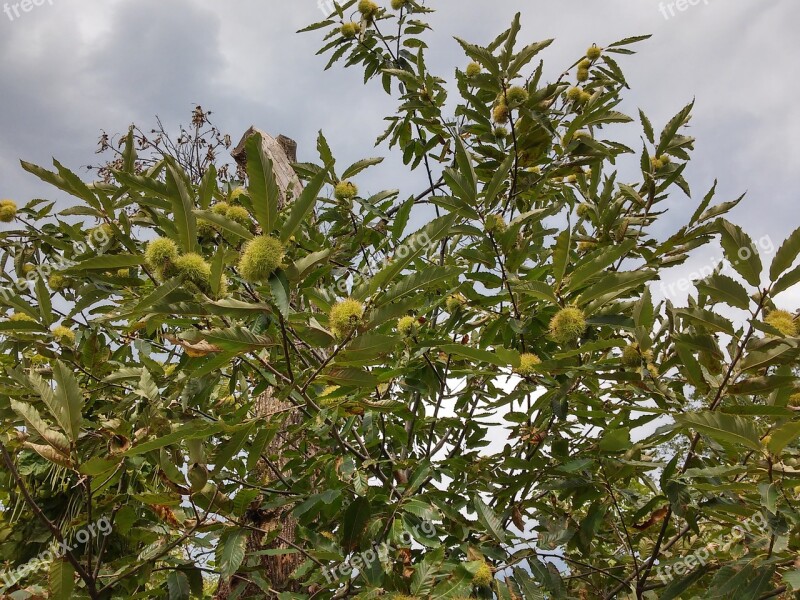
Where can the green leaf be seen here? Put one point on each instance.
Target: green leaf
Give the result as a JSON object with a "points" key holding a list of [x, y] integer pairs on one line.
{"points": [[347, 377], [457, 585], [723, 428], [537, 289], [45, 306], [721, 288], [34, 420], [193, 430], [769, 496], [616, 440], [418, 282], [157, 295], [236, 338], [786, 281], [182, 203], [143, 184], [355, 522], [561, 255], [783, 436], [706, 319], [595, 266], [488, 519], [679, 586], [68, 401], [303, 205], [528, 586], [550, 579], [178, 586], [279, 286], [615, 285], [262, 186], [366, 349], [474, 354], [61, 579], [412, 248], [740, 251], [498, 179], [359, 166], [792, 579], [785, 256], [672, 128], [401, 218], [105, 262], [208, 185], [761, 385], [230, 551], [305, 265], [99, 465], [426, 571], [227, 450], [647, 126], [65, 180], [527, 54], [225, 225]]}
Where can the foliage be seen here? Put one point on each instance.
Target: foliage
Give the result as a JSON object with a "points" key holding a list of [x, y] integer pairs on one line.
{"points": [[632, 433]]}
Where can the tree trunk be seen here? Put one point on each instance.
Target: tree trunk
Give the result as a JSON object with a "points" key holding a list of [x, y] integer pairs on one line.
{"points": [[275, 569]]}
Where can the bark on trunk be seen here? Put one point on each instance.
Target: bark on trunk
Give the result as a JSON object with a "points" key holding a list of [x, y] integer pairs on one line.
{"points": [[275, 569]]}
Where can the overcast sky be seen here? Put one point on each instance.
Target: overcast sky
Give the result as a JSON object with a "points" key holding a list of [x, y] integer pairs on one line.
{"points": [[71, 68]]}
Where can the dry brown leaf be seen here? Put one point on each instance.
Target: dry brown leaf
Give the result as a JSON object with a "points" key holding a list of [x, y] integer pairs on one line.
{"points": [[194, 350]]}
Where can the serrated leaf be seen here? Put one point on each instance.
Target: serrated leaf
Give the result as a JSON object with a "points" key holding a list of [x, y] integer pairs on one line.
{"points": [[178, 586], [785, 256], [706, 319], [425, 572], [561, 255], [68, 401], [786, 281], [411, 249], [61, 579], [303, 205], [355, 522], [474, 354], [488, 519], [182, 203], [740, 251], [721, 288], [161, 291], [262, 186], [783, 436], [225, 225], [191, 431], [230, 551], [723, 428], [672, 128], [359, 166], [647, 126], [418, 282], [367, 348], [33, 419], [105, 262]]}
